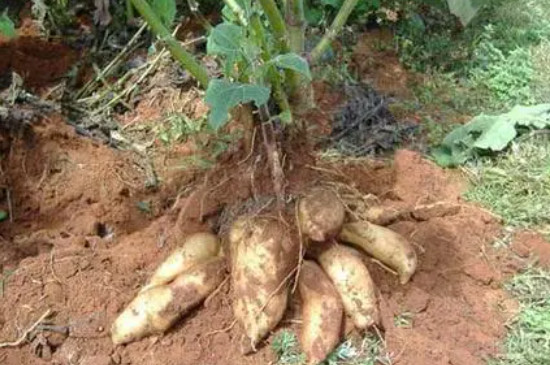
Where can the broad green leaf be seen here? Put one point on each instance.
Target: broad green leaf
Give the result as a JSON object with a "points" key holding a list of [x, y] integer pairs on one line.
{"points": [[497, 136], [225, 40], [292, 61], [489, 133], [7, 28], [3, 215], [465, 10], [223, 95], [166, 10]]}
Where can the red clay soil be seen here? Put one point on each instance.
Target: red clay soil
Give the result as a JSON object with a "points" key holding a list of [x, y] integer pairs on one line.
{"points": [[38, 62], [81, 248]]}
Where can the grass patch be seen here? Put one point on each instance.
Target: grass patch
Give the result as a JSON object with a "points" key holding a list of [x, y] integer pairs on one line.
{"points": [[498, 61], [516, 185], [528, 341], [366, 351]]}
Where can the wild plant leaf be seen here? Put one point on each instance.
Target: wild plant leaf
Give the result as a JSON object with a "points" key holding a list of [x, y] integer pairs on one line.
{"points": [[7, 28], [166, 10], [465, 10], [230, 16], [489, 133], [226, 41], [497, 136], [223, 95], [292, 61]]}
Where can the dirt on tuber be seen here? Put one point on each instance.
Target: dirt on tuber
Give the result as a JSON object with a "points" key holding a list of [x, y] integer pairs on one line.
{"points": [[383, 244], [352, 280], [155, 310], [196, 248], [263, 254], [322, 313], [321, 214]]}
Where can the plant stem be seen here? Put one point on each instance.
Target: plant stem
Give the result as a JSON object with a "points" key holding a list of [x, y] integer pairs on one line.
{"points": [[186, 59], [295, 21], [237, 10], [273, 75], [332, 32], [301, 90], [277, 24]]}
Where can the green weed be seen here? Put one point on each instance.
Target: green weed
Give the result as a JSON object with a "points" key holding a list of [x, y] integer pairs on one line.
{"points": [[528, 341], [516, 185], [366, 351], [177, 127], [540, 83], [404, 320], [506, 76], [286, 348], [499, 60]]}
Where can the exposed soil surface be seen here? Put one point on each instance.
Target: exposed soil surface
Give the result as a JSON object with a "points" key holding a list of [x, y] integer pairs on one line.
{"points": [[87, 229], [38, 62], [81, 246]]}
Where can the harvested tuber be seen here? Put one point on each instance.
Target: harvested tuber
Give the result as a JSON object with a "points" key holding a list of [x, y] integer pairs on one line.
{"points": [[322, 313], [321, 214], [195, 249], [262, 257], [383, 244], [352, 281], [155, 310]]}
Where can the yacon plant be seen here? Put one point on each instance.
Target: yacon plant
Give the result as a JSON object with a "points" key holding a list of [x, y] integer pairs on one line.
{"points": [[260, 46], [261, 49]]}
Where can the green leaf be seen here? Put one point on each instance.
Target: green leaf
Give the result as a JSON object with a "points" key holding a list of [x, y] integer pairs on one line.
{"points": [[223, 95], [489, 133], [292, 61], [7, 28], [465, 10], [166, 10], [286, 117], [3, 215], [225, 40], [497, 136]]}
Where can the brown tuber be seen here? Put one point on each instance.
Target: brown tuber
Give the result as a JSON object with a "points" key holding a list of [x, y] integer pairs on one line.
{"points": [[321, 214], [155, 310], [383, 244], [196, 248], [322, 313], [352, 281], [262, 257]]}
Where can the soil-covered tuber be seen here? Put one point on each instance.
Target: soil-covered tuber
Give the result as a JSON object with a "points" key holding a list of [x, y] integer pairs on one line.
{"points": [[262, 257], [352, 281], [155, 310], [196, 248], [383, 244], [322, 313], [321, 214]]}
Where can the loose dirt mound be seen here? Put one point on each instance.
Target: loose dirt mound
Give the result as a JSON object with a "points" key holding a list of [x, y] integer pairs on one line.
{"points": [[82, 248]]}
